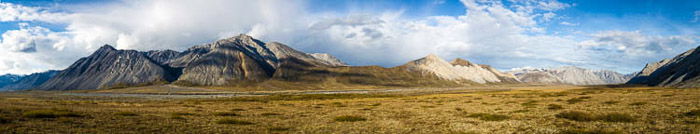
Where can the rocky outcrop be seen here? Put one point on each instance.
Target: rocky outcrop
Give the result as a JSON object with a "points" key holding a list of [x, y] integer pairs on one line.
{"points": [[162, 56], [569, 75], [108, 67], [458, 70], [680, 71]]}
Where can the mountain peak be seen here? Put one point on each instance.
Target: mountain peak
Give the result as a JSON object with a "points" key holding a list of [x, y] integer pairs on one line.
{"points": [[432, 56], [107, 47], [243, 36], [462, 62]]}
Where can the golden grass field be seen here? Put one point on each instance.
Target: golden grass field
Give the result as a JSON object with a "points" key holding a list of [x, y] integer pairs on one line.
{"points": [[522, 110]]}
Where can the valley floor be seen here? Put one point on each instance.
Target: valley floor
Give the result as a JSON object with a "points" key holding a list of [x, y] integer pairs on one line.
{"points": [[539, 109]]}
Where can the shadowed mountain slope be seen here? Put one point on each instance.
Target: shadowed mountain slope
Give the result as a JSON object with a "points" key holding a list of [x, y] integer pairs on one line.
{"points": [[108, 67], [680, 71]]}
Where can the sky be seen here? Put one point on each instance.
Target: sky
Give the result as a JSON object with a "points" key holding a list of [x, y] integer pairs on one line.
{"points": [[618, 35]]}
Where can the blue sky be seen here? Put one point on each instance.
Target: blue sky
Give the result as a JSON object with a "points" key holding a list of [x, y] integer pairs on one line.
{"points": [[599, 34]]}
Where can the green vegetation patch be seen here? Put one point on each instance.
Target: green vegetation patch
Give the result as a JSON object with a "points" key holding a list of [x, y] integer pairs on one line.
{"points": [[531, 103], [4, 121], [576, 116], [349, 118], [695, 112], [232, 121], [125, 113], [309, 97], [554, 107], [489, 117], [582, 116], [638, 103], [577, 100], [225, 114], [270, 114], [279, 129], [589, 131], [52, 113], [181, 114], [616, 117], [611, 102]]}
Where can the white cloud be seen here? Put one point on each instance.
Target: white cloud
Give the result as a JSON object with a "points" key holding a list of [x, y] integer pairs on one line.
{"points": [[13, 12], [635, 43], [568, 23], [489, 33], [34, 48], [630, 50]]}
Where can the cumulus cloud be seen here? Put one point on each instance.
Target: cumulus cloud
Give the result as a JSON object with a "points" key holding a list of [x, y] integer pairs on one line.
{"points": [[491, 32], [637, 44], [634, 48], [13, 12], [34, 48]]}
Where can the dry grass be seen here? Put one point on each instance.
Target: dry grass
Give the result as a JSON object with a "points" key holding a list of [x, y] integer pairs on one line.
{"points": [[529, 110]]}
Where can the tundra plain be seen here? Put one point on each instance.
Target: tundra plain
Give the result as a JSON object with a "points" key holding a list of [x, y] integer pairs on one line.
{"points": [[534, 109]]}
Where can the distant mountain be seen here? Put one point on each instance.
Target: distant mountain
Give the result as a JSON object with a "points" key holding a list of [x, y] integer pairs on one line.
{"points": [[680, 71], [23, 82], [8, 79], [570, 75], [458, 70], [31, 81], [108, 67]]}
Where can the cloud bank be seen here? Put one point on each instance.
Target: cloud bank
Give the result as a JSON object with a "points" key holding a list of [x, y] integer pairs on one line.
{"points": [[503, 34]]}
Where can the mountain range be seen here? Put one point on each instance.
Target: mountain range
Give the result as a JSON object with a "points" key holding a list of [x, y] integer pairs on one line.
{"points": [[243, 61]]}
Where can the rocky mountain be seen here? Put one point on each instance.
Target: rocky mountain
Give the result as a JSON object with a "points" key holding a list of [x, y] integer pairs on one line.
{"points": [[240, 58], [680, 71], [162, 56], [108, 67], [569, 75], [458, 70], [31, 81]]}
